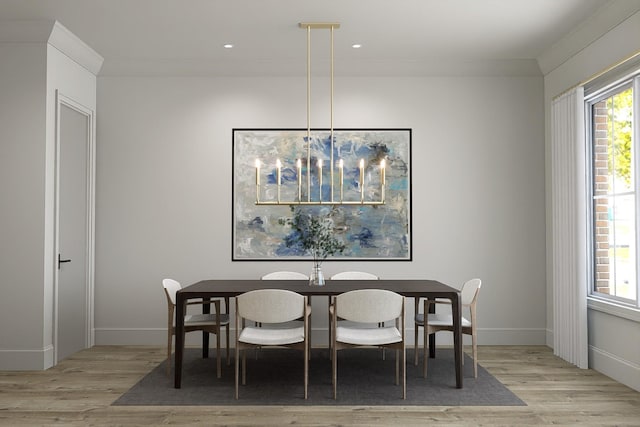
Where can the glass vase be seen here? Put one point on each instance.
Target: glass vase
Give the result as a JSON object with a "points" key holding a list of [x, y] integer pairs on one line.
{"points": [[316, 278]]}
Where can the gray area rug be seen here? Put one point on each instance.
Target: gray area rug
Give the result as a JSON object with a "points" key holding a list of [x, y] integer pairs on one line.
{"points": [[276, 378]]}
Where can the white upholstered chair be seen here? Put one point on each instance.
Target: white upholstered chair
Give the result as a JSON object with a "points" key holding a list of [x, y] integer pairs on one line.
{"points": [[285, 275], [369, 307], [271, 306], [211, 323], [354, 275], [288, 275], [444, 322]]}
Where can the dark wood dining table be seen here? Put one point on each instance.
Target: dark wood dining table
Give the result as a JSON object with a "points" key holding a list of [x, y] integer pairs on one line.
{"points": [[226, 288]]}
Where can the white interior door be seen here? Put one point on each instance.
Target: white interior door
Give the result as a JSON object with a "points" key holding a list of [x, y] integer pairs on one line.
{"points": [[73, 236]]}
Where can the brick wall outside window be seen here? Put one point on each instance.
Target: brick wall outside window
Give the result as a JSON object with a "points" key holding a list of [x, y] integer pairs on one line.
{"points": [[602, 185]]}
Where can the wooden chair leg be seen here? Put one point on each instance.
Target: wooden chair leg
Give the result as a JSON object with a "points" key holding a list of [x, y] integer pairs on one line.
{"points": [[218, 356], [424, 347], [404, 373], [228, 359], [330, 328], [474, 345], [334, 371], [309, 302], [416, 346], [306, 369], [226, 304], [237, 359]]}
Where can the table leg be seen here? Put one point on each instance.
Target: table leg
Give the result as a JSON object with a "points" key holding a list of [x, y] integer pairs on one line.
{"points": [[309, 325], [206, 309], [180, 301], [432, 337], [456, 312]]}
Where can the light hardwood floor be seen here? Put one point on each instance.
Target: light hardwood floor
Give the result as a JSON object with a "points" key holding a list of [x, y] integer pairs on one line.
{"points": [[80, 390]]}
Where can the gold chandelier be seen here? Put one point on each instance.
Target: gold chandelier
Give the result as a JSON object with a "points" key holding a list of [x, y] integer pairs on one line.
{"points": [[309, 200]]}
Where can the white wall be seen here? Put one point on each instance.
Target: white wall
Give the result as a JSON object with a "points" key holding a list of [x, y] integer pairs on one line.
{"points": [[614, 347], [22, 187], [164, 189]]}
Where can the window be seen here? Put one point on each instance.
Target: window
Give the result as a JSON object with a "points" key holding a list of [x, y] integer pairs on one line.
{"points": [[613, 122]]}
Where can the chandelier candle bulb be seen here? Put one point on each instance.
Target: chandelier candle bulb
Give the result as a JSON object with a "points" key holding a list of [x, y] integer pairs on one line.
{"points": [[257, 180], [361, 180], [320, 178], [382, 179], [278, 176], [299, 171], [341, 176]]}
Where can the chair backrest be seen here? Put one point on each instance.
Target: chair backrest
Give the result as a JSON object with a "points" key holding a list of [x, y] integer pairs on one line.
{"points": [[369, 305], [270, 305], [285, 275], [354, 275], [470, 291], [171, 287]]}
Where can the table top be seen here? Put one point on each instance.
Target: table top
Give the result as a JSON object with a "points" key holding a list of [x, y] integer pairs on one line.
{"points": [[234, 287]]}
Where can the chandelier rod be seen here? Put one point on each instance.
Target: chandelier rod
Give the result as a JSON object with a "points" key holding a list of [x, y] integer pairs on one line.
{"points": [[309, 199], [309, 114], [331, 116]]}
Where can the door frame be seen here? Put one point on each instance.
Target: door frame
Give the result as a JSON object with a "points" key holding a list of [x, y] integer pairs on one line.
{"points": [[62, 100]]}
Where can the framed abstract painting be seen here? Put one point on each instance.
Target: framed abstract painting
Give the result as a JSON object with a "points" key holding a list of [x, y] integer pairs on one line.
{"points": [[369, 230]]}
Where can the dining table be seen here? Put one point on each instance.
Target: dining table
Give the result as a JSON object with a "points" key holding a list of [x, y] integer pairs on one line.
{"points": [[228, 288]]}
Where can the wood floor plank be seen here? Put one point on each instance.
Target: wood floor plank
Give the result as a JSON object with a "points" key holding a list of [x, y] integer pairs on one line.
{"points": [[80, 391]]}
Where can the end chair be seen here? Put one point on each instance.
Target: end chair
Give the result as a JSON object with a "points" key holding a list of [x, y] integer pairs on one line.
{"points": [[444, 322], [210, 323]]}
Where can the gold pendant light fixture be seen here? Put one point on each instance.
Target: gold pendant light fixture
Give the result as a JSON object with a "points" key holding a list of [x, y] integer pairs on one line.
{"points": [[308, 199]]}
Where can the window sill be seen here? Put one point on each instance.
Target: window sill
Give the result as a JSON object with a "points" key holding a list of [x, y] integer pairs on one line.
{"points": [[613, 309]]}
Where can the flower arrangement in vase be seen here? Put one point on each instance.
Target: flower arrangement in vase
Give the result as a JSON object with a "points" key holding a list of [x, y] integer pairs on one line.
{"points": [[312, 234]]}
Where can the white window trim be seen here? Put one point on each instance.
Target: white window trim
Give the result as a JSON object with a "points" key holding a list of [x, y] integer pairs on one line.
{"points": [[598, 301], [610, 307]]}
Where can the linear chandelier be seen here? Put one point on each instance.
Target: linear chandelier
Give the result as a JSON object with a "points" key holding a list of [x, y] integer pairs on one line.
{"points": [[337, 197]]}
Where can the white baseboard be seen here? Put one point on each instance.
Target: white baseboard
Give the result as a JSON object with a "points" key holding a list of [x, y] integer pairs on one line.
{"points": [[320, 336], [621, 370], [26, 360]]}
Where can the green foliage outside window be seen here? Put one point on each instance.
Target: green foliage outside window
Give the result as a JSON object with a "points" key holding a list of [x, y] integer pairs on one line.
{"points": [[620, 118]]}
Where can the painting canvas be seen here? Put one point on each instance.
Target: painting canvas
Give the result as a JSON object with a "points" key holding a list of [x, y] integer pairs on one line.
{"points": [[369, 232]]}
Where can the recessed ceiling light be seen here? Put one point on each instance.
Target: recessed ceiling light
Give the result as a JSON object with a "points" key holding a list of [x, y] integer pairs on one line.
{"points": [[227, 46], [356, 46]]}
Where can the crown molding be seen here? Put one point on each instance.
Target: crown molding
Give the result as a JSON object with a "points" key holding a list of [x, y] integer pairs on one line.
{"points": [[69, 44], [604, 20], [55, 34], [265, 68]]}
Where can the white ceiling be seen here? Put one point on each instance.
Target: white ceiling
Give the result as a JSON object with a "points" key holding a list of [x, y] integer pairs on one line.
{"points": [[398, 37]]}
